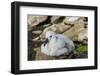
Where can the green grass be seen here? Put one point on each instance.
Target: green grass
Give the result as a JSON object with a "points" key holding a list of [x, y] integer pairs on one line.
{"points": [[82, 48]]}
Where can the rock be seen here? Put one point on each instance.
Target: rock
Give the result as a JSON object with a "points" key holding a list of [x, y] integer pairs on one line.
{"points": [[75, 30], [35, 39], [41, 56], [56, 28], [35, 20], [83, 36], [36, 49], [69, 30], [70, 20], [46, 25], [81, 55], [37, 32], [54, 19]]}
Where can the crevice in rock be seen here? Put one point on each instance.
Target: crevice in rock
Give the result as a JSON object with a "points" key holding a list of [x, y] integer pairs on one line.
{"points": [[59, 20]]}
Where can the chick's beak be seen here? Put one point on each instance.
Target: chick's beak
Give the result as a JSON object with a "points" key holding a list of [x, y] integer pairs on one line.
{"points": [[46, 41]]}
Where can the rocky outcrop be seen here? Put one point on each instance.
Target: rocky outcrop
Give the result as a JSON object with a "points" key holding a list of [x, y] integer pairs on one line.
{"points": [[83, 36], [73, 33], [74, 30], [57, 19], [35, 20], [70, 20]]}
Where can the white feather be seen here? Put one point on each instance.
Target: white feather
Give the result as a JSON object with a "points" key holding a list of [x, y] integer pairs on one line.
{"points": [[58, 45]]}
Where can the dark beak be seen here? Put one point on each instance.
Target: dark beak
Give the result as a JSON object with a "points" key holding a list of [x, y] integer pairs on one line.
{"points": [[45, 41]]}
